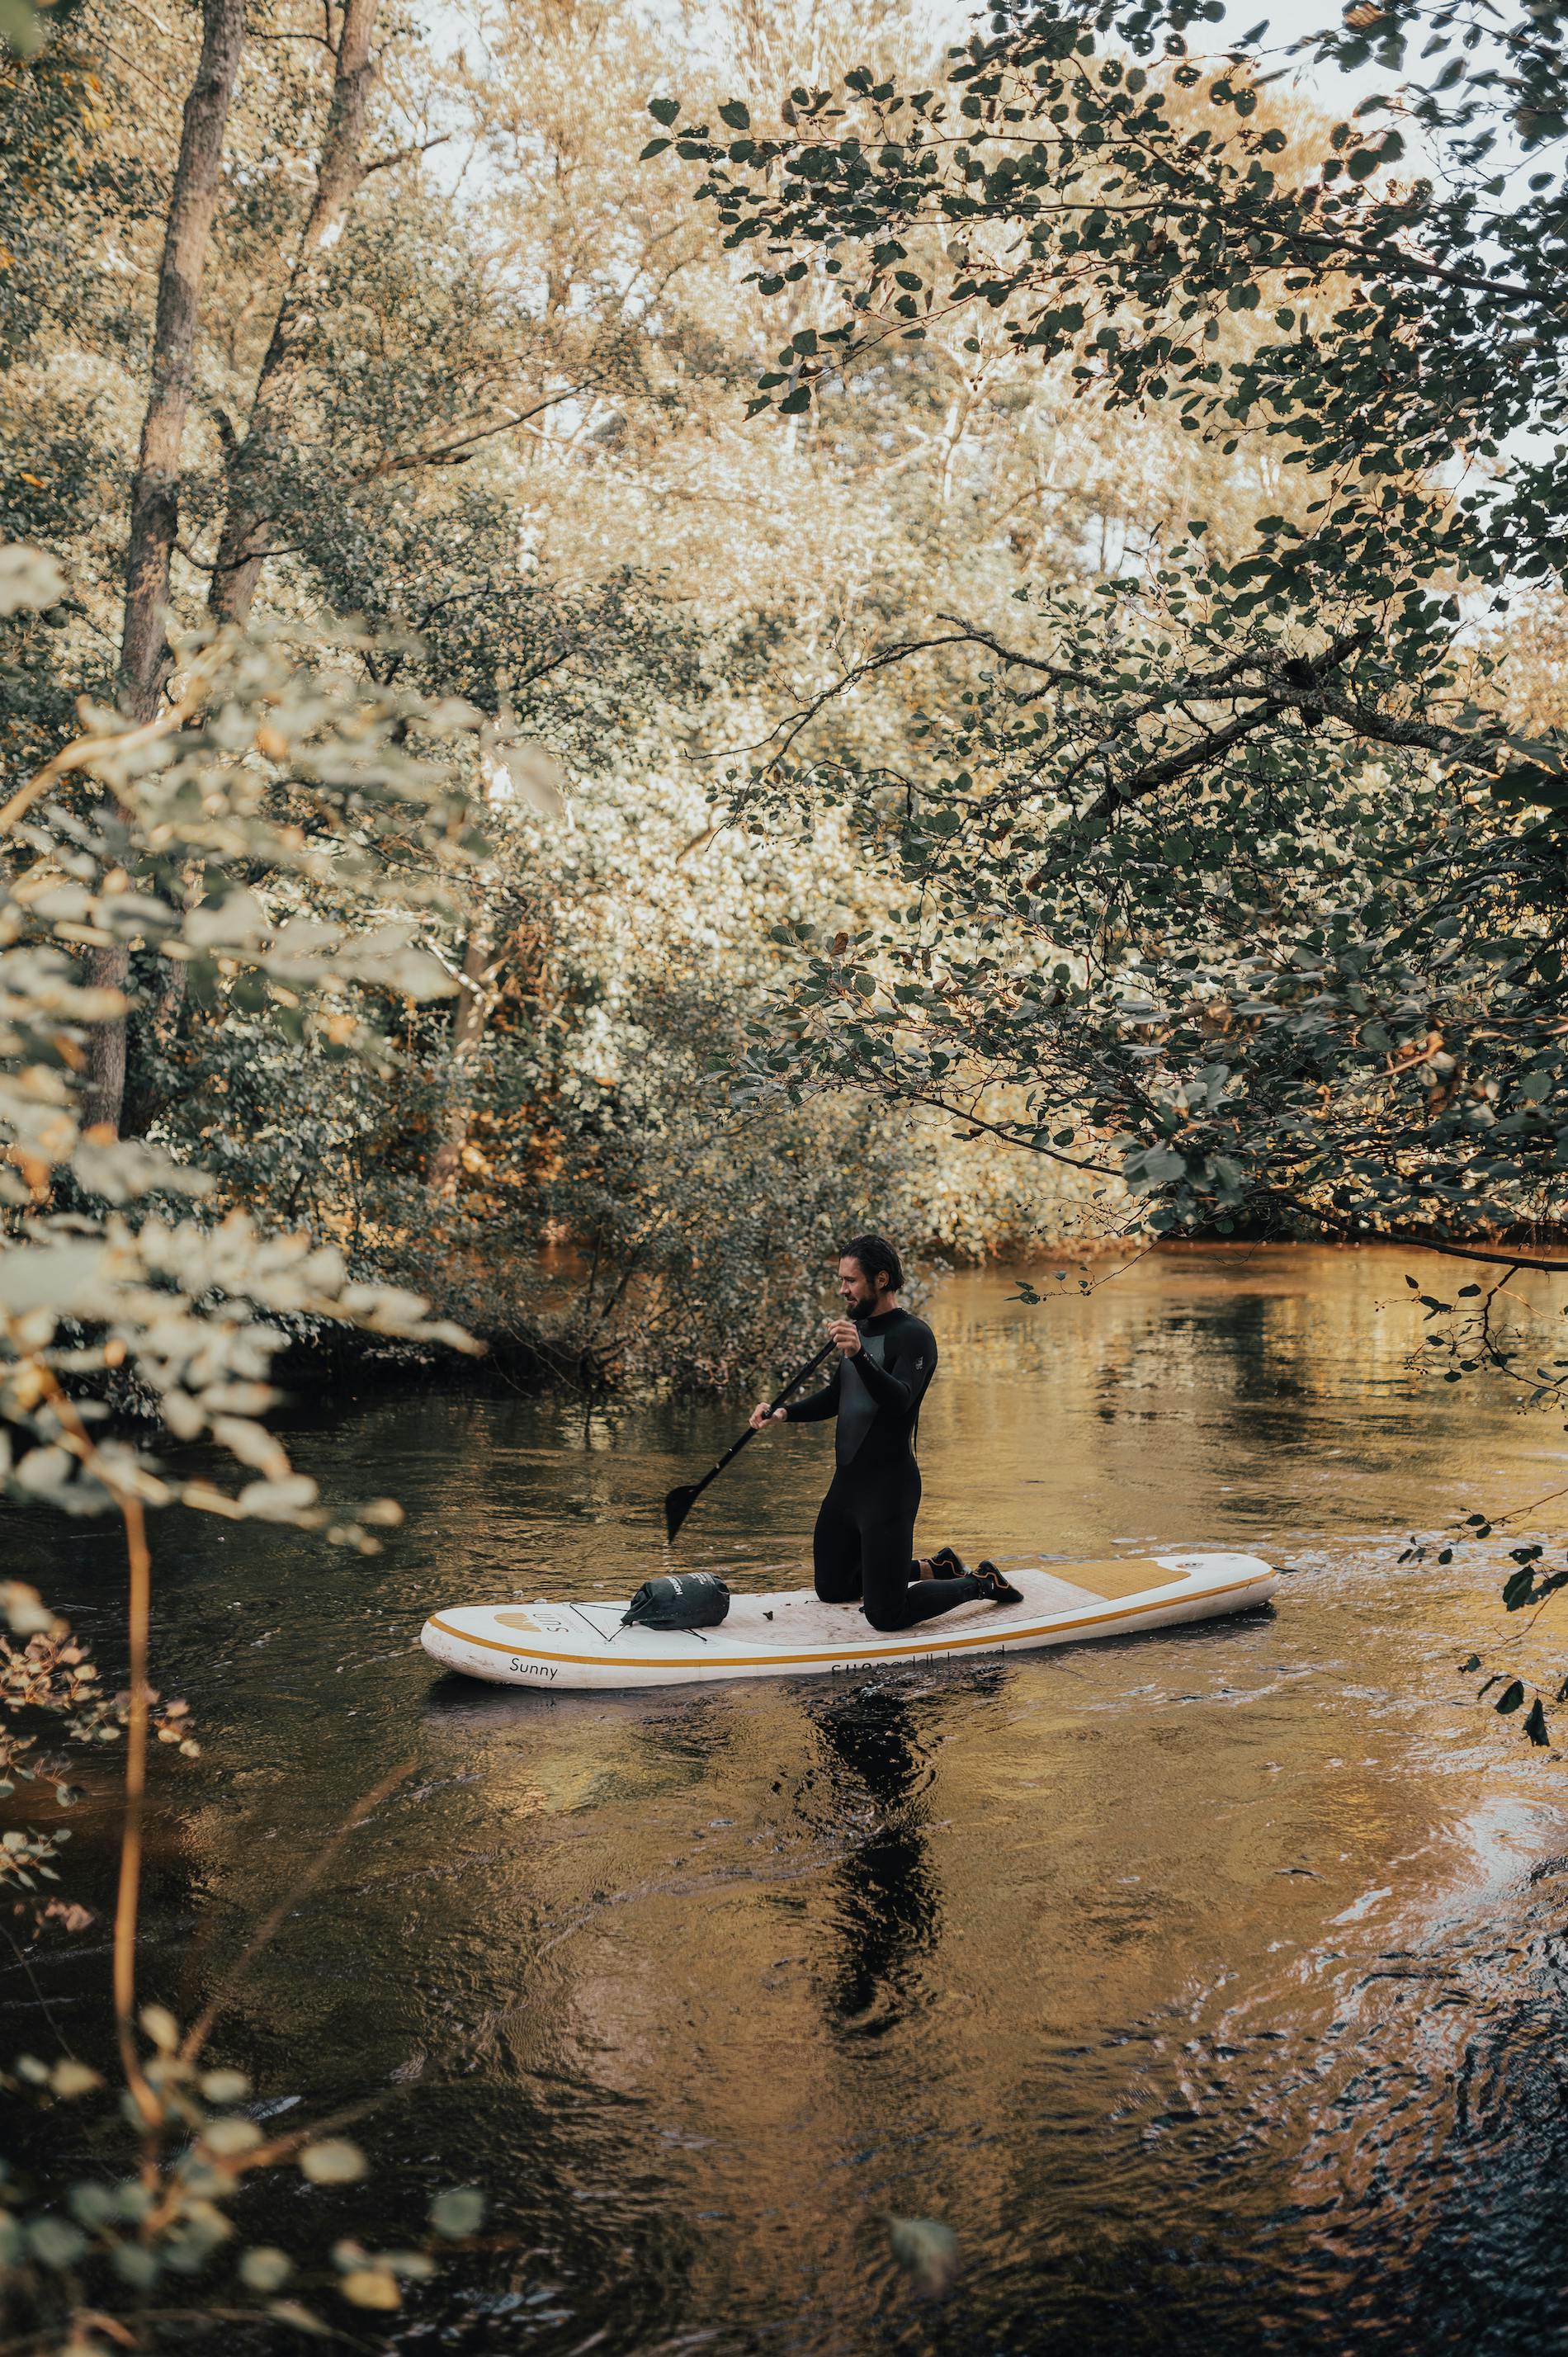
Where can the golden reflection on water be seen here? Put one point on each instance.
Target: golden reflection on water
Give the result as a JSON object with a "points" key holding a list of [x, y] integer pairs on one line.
{"points": [[1174, 1971]]}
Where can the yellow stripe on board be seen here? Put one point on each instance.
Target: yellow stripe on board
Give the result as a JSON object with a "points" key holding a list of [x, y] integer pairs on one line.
{"points": [[856, 1654]]}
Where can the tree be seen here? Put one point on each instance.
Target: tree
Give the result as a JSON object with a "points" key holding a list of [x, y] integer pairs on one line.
{"points": [[154, 486], [545, 503], [255, 461], [1242, 872]]}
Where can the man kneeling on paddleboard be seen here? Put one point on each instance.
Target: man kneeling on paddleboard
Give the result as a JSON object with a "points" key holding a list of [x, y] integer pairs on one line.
{"points": [[864, 1540]]}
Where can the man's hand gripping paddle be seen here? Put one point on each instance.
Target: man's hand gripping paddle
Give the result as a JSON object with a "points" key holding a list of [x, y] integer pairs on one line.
{"points": [[679, 1503]]}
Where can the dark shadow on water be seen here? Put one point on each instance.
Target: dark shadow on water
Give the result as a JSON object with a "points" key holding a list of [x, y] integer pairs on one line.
{"points": [[887, 1905]]}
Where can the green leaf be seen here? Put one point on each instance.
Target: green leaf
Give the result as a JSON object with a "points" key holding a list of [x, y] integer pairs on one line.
{"points": [[55, 2242], [301, 2319], [21, 29], [161, 2028], [333, 2161], [1535, 1724], [1511, 1697], [664, 110], [459, 2211], [926, 2248], [264, 2268], [372, 2287], [654, 147], [732, 113], [225, 2086], [69, 2078]]}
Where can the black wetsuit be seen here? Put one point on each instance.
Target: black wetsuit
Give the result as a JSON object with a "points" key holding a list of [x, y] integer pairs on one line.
{"points": [[864, 1540]]}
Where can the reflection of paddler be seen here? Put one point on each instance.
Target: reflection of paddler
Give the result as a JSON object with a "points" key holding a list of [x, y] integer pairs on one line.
{"points": [[864, 1546], [891, 1908]]}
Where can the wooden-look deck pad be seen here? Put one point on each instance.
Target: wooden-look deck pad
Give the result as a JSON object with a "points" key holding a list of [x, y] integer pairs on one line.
{"points": [[1128, 1575]]}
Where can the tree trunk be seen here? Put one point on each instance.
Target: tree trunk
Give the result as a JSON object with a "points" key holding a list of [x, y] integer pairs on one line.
{"points": [[155, 488], [104, 1098], [248, 518], [155, 491], [468, 1031]]}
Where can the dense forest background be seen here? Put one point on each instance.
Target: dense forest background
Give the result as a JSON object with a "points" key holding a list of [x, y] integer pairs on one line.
{"points": [[494, 412], [792, 746]]}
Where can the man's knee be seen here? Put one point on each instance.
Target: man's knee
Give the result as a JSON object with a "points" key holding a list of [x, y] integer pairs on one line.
{"points": [[838, 1587], [888, 1614]]}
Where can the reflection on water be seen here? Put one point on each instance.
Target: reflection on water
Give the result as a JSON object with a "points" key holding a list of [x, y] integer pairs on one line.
{"points": [[1209, 1983], [887, 1904]]}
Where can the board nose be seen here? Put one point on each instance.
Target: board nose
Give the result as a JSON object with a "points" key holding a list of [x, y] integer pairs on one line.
{"points": [[442, 1645]]}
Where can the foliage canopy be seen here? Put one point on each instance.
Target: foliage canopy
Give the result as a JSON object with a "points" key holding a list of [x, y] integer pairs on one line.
{"points": [[1241, 870]]}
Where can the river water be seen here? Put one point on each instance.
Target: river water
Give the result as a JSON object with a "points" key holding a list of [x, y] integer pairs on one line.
{"points": [[1209, 1985]]}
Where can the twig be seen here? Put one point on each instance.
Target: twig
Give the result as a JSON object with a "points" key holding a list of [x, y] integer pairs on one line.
{"points": [[1514, 1513], [444, 454], [1348, 1228], [1009, 1136], [789, 727], [268, 1929], [26, 1963], [81, 753], [406, 155], [128, 1898]]}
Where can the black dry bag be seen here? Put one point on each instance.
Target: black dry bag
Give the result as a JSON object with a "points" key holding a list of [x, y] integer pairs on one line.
{"points": [[687, 1599]]}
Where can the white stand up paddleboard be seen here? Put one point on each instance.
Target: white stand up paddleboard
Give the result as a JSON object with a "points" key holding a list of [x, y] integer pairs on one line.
{"points": [[585, 1646]]}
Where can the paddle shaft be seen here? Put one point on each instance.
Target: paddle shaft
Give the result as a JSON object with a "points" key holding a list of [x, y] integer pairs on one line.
{"points": [[694, 1492]]}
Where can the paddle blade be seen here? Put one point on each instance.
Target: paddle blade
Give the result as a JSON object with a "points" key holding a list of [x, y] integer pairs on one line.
{"points": [[678, 1505]]}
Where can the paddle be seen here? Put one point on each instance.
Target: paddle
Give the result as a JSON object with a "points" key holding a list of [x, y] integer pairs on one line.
{"points": [[679, 1503]]}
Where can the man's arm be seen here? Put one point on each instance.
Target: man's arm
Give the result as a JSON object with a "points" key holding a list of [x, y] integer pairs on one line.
{"points": [[816, 1404], [901, 1381]]}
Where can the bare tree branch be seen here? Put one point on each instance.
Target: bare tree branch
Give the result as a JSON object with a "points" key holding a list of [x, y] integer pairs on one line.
{"points": [[247, 523], [406, 155]]}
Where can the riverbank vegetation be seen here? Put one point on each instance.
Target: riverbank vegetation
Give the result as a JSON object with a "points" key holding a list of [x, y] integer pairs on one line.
{"points": [[1243, 865], [1112, 712], [442, 359]]}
